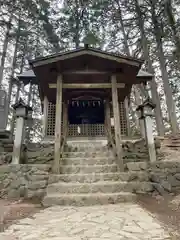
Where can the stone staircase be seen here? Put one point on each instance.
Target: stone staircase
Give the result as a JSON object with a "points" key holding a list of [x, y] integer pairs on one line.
{"points": [[90, 175], [171, 142]]}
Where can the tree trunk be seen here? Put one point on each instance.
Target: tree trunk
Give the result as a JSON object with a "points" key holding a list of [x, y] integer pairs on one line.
{"points": [[5, 46], [18, 90], [167, 89], [12, 125], [174, 30], [126, 47], [155, 96], [13, 67]]}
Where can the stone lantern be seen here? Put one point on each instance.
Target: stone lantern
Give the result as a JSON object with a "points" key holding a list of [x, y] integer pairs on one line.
{"points": [[21, 112], [146, 113]]}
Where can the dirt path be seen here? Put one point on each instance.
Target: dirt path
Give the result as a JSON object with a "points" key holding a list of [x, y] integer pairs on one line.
{"points": [[125, 221], [11, 211], [163, 210]]}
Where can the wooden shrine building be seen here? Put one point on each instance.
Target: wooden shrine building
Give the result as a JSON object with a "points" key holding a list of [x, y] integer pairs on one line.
{"points": [[82, 91]]}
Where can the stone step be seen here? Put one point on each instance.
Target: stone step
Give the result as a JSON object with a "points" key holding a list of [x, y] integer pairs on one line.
{"points": [[87, 199], [87, 149], [101, 187], [90, 177], [88, 154], [137, 166], [87, 161], [64, 169], [173, 145]]}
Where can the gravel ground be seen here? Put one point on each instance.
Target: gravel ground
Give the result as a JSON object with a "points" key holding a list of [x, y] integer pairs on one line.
{"points": [[11, 211]]}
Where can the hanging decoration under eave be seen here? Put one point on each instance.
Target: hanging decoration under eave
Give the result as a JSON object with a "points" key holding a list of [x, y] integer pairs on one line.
{"points": [[86, 103]]}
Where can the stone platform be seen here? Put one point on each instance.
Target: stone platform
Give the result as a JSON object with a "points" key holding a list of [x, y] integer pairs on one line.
{"points": [[110, 222]]}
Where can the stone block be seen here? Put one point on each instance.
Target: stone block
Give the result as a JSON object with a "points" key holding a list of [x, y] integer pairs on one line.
{"points": [[157, 177], [5, 169], [173, 181], [17, 183], [6, 182], [22, 191], [8, 158], [41, 167], [165, 164], [37, 185], [177, 176], [14, 194], [37, 177], [39, 194], [137, 166], [159, 188], [166, 186]]}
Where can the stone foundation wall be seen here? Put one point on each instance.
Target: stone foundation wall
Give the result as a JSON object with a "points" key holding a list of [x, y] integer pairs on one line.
{"points": [[136, 150], [6, 149], [39, 154], [27, 181], [164, 175]]}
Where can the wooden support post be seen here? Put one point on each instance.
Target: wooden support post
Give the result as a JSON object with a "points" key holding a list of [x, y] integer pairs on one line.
{"points": [[126, 106], [65, 118], [57, 145], [107, 116], [117, 126], [45, 115]]}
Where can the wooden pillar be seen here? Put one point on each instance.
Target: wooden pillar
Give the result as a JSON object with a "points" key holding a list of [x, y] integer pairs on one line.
{"points": [[126, 107], [65, 118], [117, 127], [107, 115], [57, 145], [45, 116]]}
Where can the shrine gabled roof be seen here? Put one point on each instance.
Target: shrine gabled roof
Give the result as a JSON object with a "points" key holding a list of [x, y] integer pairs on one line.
{"points": [[30, 76], [86, 51]]}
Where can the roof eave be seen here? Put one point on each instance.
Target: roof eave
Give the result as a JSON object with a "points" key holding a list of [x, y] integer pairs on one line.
{"points": [[83, 51]]}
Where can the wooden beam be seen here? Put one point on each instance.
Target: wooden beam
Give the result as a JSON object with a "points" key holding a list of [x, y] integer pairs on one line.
{"points": [[85, 72], [45, 115], [117, 126], [86, 85], [57, 145]]}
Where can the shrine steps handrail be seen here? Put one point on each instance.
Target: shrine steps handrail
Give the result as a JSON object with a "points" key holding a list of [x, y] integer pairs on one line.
{"points": [[110, 138], [63, 142]]}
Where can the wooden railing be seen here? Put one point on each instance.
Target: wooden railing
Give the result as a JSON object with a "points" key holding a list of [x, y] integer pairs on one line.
{"points": [[111, 141], [118, 157], [63, 142]]}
